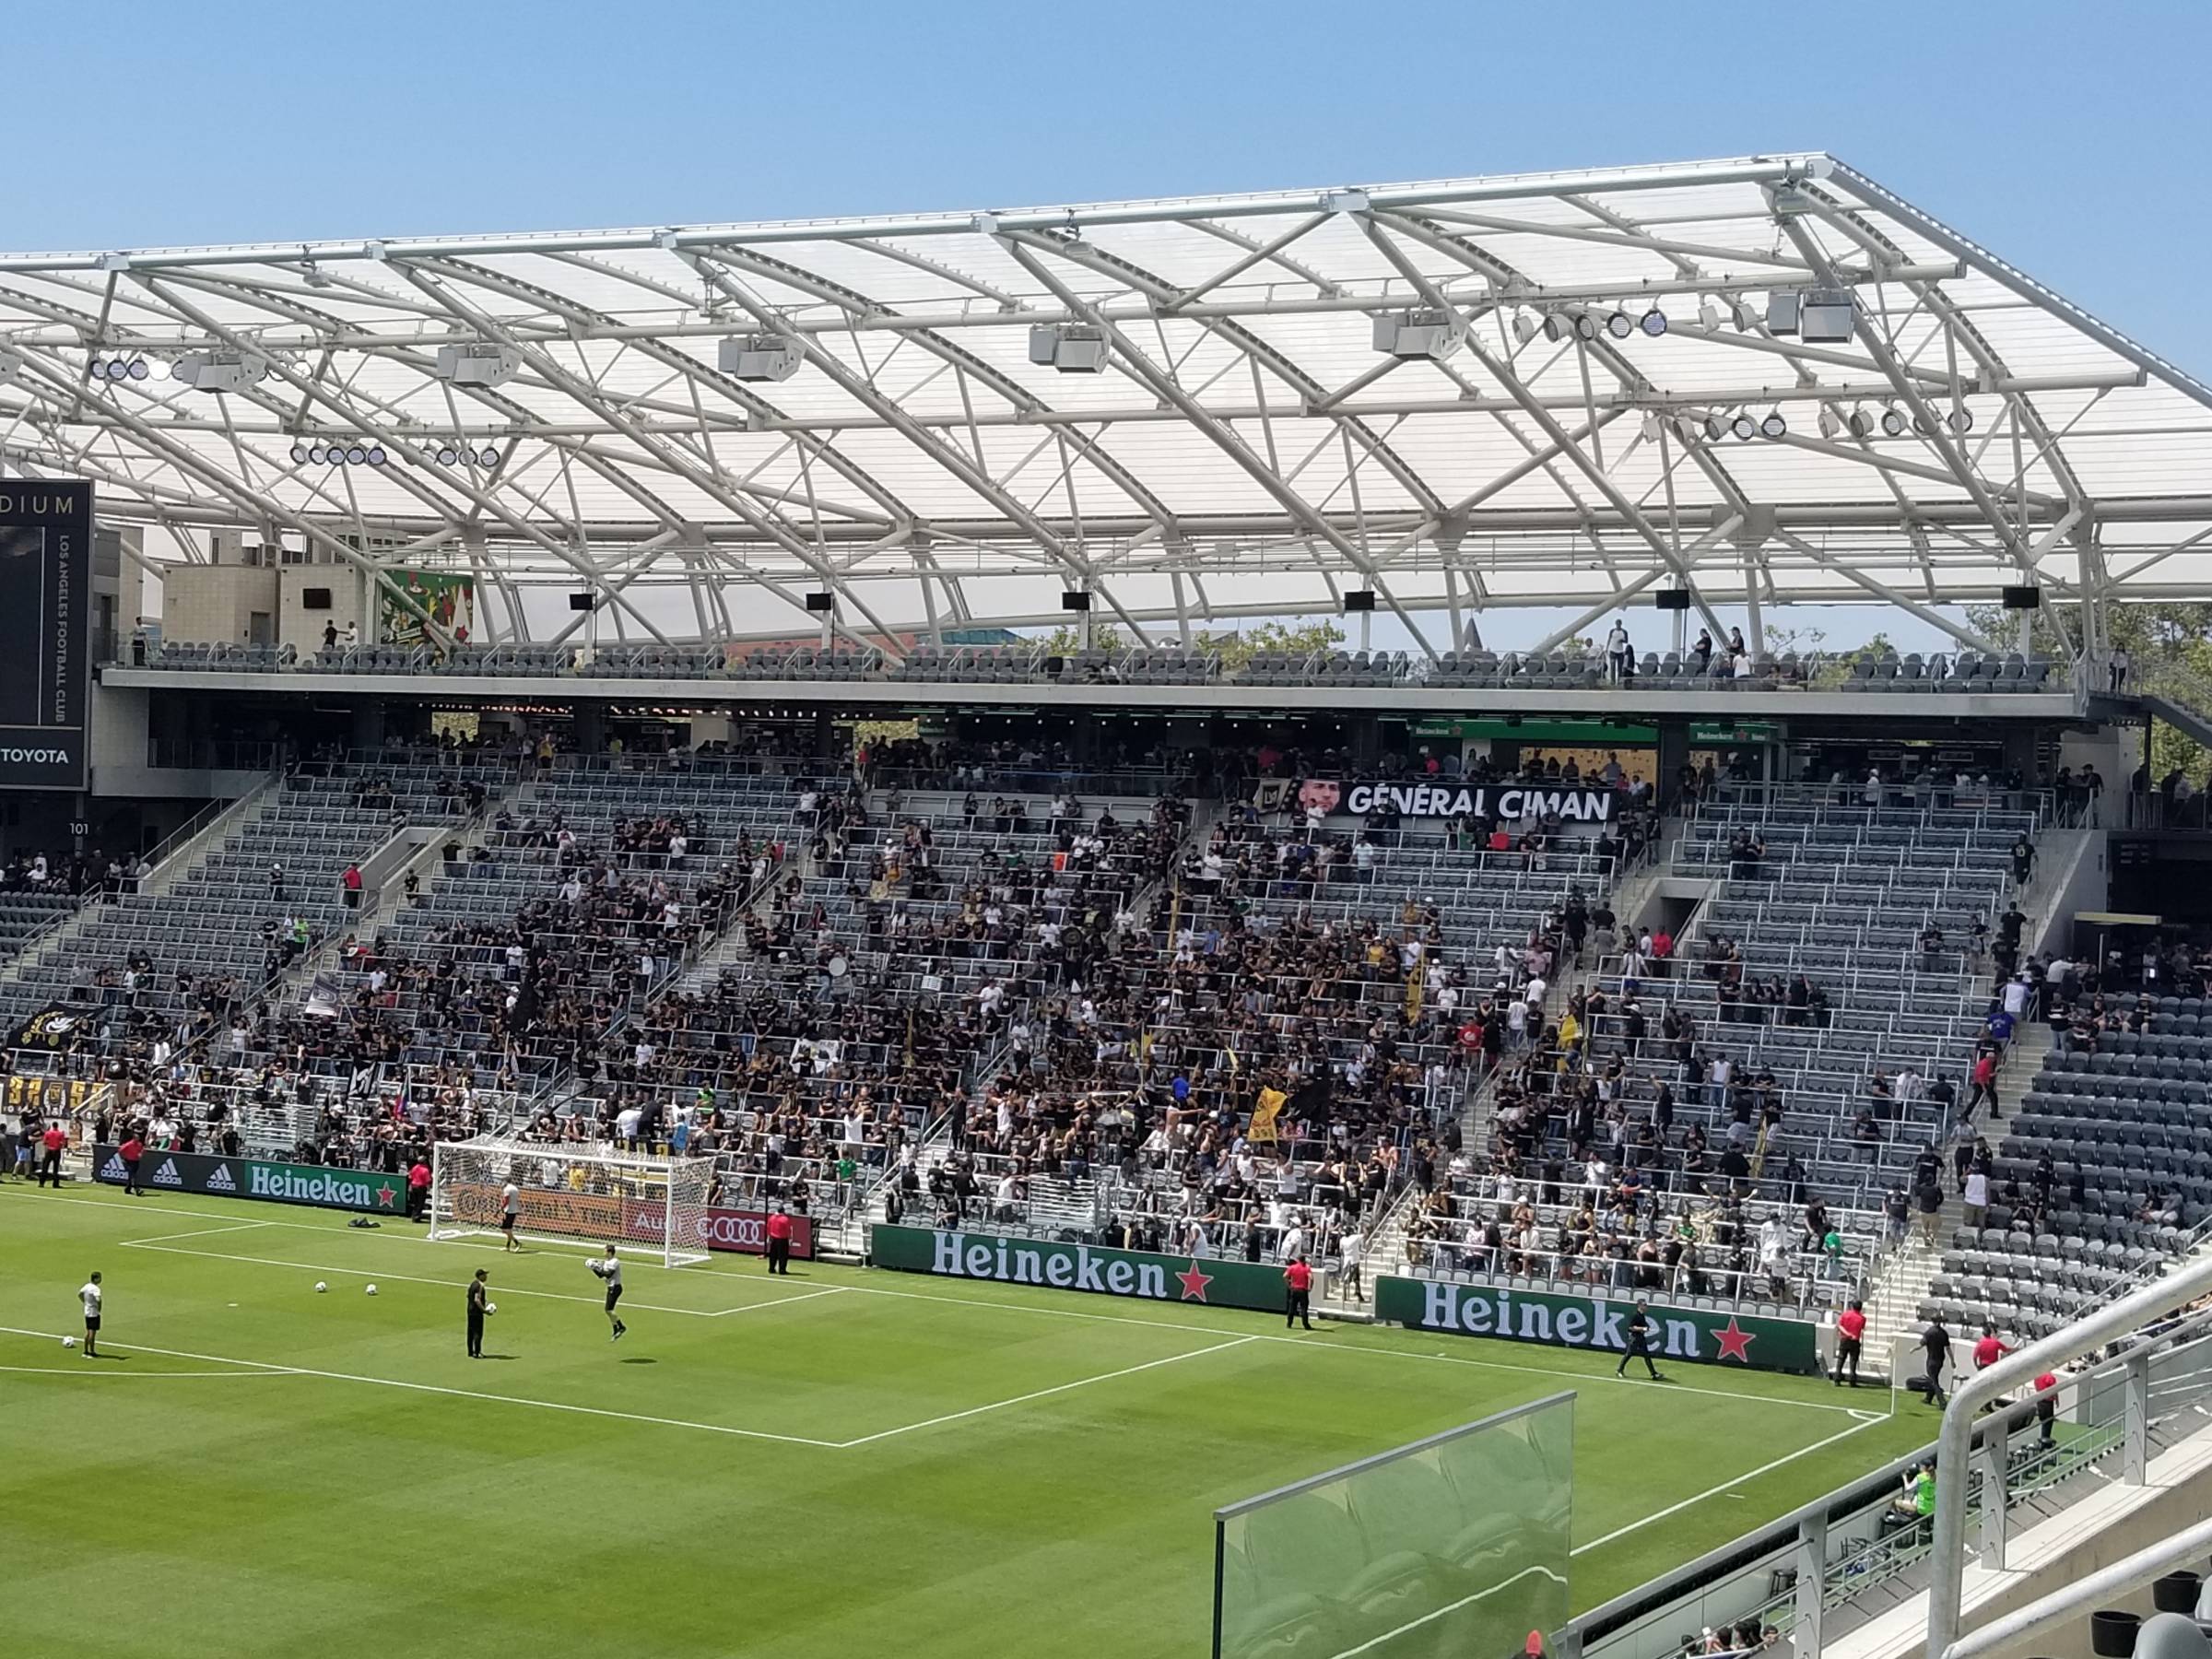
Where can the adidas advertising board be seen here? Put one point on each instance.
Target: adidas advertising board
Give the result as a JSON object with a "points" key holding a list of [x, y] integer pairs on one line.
{"points": [[254, 1178]]}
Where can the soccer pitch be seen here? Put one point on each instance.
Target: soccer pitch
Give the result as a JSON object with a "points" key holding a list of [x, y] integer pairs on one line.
{"points": [[840, 1461]]}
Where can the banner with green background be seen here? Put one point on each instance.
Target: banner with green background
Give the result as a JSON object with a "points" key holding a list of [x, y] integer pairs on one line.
{"points": [[1207, 1280], [1699, 1336]]}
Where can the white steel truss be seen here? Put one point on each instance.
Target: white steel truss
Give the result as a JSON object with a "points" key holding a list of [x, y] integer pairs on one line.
{"points": [[1567, 435]]}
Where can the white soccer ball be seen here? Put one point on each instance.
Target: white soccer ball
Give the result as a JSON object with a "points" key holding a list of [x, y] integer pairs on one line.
{"points": [[68, 1341], [373, 1290], [492, 1307], [321, 1286]]}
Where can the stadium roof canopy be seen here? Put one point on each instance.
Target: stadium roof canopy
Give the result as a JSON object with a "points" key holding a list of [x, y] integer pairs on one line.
{"points": [[1464, 395]]}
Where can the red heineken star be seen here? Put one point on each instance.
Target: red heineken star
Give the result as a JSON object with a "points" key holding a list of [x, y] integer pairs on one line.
{"points": [[385, 1195], [1735, 1342], [1195, 1282]]}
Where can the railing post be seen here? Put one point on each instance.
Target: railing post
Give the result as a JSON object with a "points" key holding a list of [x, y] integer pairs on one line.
{"points": [[2138, 1469], [1812, 1569], [1994, 1454]]}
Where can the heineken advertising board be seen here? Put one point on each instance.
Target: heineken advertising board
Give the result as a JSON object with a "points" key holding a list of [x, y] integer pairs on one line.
{"points": [[1701, 1335], [1208, 1281], [253, 1178]]}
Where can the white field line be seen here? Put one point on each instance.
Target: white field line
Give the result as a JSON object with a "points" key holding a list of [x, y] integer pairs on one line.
{"points": [[1373, 1643], [1714, 1491], [779, 1301], [204, 1233], [1127, 1370], [414, 1278], [95, 1369], [1585, 1377], [464, 1393]]}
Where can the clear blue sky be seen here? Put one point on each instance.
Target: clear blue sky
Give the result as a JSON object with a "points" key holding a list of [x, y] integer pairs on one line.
{"points": [[2069, 138]]}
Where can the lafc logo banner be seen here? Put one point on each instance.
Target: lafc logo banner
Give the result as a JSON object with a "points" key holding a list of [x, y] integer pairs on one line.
{"points": [[1508, 802]]}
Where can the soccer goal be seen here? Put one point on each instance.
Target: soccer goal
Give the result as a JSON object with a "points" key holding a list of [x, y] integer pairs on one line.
{"points": [[585, 1194]]}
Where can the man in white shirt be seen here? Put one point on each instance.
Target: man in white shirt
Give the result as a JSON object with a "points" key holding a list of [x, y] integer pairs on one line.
{"points": [[607, 1270], [1976, 1194], [510, 1212], [89, 1294]]}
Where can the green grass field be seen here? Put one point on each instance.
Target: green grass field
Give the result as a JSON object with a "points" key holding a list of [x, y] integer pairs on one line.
{"points": [[841, 1462]]}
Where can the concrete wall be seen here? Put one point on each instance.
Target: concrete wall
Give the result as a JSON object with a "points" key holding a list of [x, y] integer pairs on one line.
{"points": [[216, 603], [302, 629]]}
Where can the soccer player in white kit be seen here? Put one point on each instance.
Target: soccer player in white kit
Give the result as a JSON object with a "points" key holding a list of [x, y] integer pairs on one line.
{"points": [[89, 1294], [608, 1270]]}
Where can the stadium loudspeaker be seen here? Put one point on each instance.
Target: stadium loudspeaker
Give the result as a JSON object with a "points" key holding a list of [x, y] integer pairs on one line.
{"points": [[1359, 599], [1674, 599], [580, 602], [818, 602], [1075, 602], [2023, 599]]}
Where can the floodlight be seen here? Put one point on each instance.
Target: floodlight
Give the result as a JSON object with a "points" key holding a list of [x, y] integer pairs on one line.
{"points": [[1741, 313], [1651, 425], [1773, 426], [138, 368], [357, 456], [97, 368], [1862, 423], [1586, 326], [1829, 424], [1715, 428], [1619, 326], [1555, 326], [376, 455], [446, 456], [1654, 322], [489, 459], [1743, 427], [1961, 420], [1893, 421], [316, 455], [1525, 326], [299, 454], [1709, 314]]}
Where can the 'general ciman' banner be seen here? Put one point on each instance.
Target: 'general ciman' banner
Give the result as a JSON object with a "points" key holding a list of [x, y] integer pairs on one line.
{"points": [[45, 632], [1510, 802]]}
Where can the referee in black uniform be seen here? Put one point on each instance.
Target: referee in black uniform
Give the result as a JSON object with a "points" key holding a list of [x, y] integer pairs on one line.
{"points": [[477, 1291], [1640, 1344]]}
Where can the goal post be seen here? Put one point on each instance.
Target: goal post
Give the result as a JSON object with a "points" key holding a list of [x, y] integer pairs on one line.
{"points": [[583, 1194]]}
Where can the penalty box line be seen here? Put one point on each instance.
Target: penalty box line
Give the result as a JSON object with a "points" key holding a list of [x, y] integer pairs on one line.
{"points": [[415, 1279]]}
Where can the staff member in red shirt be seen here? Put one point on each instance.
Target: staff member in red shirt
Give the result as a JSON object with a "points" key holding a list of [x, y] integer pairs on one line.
{"points": [[131, 1151], [1851, 1330], [778, 1240], [1989, 1350], [419, 1190], [1298, 1292], [51, 1145]]}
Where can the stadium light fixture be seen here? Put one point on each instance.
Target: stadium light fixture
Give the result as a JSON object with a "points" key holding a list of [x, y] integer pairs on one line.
{"points": [[316, 455], [1619, 325], [1651, 425], [446, 456], [376, 455], [478, 365], [299, 454], [1708, 312], [138, 369], [1781, 311], [1654, 322], [1743, 427], [1555, 326], [1960, 419], [1773, 426], [1420, 333], [1828, 316], [768, 356], [488, 459], [1742, 313], [1586, 326], [1526, 325], [221, 371], [1830, 425], [1862, 423], [1715, 428], [357, 454], [1893, 421]]}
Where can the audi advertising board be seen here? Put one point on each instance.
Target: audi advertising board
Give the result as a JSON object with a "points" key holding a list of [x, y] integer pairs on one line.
{"points": [[742, 1231], [45, 632]]}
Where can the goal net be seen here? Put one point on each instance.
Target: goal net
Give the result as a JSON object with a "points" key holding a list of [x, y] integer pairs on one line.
{"points": [[585, 1194]]}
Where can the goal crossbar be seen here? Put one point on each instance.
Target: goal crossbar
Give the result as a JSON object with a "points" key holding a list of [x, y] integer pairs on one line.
{"points": [[572, 1193]]}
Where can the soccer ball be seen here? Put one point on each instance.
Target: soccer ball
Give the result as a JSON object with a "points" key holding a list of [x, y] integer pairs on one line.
{"points": [[492, 1307], [373, 1290], [321, 1286], [68, 1341]]}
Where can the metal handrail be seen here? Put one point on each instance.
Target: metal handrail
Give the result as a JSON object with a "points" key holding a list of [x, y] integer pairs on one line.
{"points": [[1954, 1448]]}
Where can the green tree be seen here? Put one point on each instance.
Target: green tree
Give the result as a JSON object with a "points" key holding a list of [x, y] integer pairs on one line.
{"points": [[1067, 639], [1236, 648]]}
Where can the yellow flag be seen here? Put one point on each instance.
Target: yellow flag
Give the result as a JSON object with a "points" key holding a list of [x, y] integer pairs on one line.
{"points": [[1264, 1115]]}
